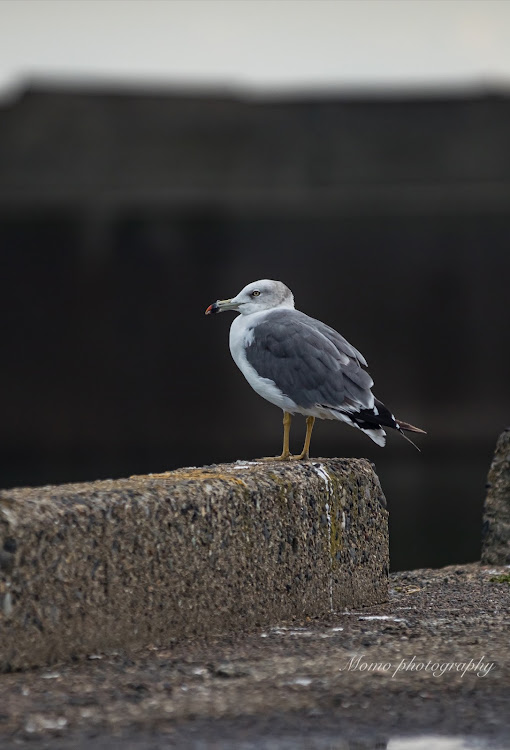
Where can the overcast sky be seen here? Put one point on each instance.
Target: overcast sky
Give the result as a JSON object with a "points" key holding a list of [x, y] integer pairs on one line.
{"points": [[268, 44]]}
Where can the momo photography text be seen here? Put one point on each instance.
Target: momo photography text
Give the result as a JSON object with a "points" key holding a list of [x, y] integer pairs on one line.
{"points": [[437, 668]]}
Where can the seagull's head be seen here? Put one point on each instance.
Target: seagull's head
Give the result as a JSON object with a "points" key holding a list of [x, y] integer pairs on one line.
{"points": [[259, 295]]}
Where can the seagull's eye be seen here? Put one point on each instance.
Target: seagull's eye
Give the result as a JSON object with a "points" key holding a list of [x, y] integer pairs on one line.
{"points": [[255, 293]]}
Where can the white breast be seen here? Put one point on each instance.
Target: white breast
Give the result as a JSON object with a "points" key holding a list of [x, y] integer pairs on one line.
{"points": [[241, 335]]}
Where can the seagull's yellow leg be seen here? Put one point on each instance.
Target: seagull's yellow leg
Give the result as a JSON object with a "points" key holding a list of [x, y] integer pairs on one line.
{"points": [[287, 419], [305, 453]]}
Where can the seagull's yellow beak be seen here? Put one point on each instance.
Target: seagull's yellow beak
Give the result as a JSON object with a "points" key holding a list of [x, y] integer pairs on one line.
{"points": [[220, 305]]}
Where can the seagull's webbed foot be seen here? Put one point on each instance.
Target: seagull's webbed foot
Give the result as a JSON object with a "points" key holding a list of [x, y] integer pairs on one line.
{"points": [[302, 457], [284, 457]]}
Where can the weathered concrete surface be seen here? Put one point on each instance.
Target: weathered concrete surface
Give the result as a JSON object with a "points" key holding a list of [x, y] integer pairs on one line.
{"points": [[496, 520], [95, 566], [434, 659]]}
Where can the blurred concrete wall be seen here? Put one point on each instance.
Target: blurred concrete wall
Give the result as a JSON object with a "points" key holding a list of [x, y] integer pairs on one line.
{"points": [[123, 216]]}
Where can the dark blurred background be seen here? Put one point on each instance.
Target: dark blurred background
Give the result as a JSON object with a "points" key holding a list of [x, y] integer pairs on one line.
{"points": [[125, 211]]}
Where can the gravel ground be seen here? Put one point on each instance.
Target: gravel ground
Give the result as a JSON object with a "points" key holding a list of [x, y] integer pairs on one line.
{"points": [[433, 660]]}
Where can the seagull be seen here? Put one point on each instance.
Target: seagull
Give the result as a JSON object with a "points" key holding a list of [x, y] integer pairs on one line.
{"points": [[302, 365]]}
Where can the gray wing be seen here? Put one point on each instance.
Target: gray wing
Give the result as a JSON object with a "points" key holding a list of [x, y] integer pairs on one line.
{"points": [[308, 361], [341, 344]]}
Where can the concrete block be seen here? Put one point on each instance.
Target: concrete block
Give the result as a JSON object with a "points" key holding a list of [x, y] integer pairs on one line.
{"points": [[496, 516], [122, 563]]}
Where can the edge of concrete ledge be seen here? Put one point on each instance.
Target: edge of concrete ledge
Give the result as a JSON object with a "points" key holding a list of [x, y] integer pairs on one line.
{"points": [[130, 562], [496, 510]]}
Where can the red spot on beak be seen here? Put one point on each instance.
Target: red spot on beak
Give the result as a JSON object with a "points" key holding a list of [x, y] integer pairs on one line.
{"points": [[214, 308]]}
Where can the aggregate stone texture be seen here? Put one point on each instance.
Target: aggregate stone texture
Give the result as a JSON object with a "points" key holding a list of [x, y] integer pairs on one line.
{"points": [[496, 520], [131, 562], [432, 660]]}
